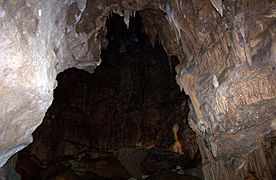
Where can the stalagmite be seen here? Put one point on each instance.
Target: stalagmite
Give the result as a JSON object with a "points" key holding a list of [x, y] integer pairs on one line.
{"points": [[176, 147]]}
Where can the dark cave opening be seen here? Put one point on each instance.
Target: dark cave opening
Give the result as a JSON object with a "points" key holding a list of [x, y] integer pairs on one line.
{"points": [[127, 120]]}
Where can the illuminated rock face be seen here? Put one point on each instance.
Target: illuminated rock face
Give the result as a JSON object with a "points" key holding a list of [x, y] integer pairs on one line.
{"points": [[27, 71], [227, 65]]}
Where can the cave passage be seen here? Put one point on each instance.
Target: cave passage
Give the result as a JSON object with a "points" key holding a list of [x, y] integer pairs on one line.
{"points": [[126, 120]]}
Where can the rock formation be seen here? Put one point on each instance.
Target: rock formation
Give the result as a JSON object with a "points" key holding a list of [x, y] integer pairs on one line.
{"points": [[227, 58], [114, 123]]}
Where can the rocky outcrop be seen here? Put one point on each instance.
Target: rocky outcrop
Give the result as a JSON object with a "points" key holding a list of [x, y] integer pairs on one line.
{"points": [[27, 70], [227, 67]]}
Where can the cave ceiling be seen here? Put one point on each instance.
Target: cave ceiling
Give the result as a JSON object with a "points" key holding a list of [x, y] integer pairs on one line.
{"points": [[226, 51]]}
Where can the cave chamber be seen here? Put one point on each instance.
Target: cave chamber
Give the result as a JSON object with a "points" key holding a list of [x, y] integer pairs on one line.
{"points": [[128, 119], [143, 89]]}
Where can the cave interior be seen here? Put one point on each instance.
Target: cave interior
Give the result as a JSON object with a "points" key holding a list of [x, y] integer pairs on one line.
{"points": [[126, 120], [138, 89]]}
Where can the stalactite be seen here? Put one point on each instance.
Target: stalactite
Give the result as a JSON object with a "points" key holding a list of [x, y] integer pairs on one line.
{"points": [[226, 61], [218, 5]]}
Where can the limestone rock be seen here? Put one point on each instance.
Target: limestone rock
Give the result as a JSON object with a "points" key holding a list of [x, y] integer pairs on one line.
{"points": [[37, 40], [27, 71]]}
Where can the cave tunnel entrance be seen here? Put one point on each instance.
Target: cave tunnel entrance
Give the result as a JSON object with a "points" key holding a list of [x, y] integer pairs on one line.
{"points": [[127, 120]]}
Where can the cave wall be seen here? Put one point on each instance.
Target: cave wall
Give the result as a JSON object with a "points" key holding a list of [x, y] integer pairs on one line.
{"points": [[33, 50], [227, 55], [27, 70], [230, 78]]}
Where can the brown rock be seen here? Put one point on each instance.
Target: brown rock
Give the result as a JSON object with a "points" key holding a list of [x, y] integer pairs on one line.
{"points": [[233, 41]]}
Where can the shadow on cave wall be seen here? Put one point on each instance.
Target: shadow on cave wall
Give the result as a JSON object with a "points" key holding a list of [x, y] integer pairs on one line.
{"points": [[121, 121]]}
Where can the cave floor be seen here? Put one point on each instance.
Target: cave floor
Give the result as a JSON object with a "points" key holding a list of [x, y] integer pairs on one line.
{"points": [[125, 163]]}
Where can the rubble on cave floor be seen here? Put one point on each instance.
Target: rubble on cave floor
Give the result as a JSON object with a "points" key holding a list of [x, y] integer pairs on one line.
{"points": [[126, 163]]}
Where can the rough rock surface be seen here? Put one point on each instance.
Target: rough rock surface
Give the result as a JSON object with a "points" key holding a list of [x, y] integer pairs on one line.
{"points": [[7, 172], [122, 104], [27, 70], [227, 55]]}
